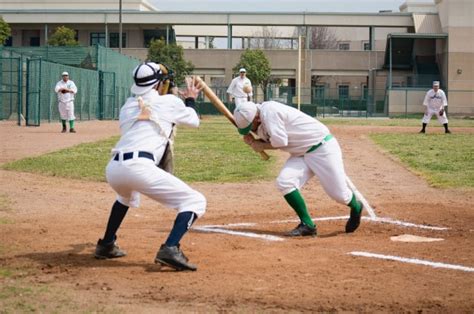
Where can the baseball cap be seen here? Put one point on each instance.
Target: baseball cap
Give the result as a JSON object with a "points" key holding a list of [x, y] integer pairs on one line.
{"points": [[435, 83], [244, 114], [65, 73], [242, 70], [145, 76]]}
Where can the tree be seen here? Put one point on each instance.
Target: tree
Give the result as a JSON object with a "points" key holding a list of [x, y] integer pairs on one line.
{"points": [[257, 66], [269, 38], [63, 36], [5, 31], [323, 38], [171, 55]]}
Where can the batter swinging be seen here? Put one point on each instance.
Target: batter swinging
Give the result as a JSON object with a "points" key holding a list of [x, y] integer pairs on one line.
{"points": [[146, 122], [313, 150]]}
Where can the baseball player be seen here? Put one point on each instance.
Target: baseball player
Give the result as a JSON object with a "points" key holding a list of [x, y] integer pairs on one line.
{"points": [[435, 102], [66, 89], [146, 121], [240, 88], [313, 151]]}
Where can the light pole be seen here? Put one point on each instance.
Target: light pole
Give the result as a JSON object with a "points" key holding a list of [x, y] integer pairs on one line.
{"points": [[120, 26]]}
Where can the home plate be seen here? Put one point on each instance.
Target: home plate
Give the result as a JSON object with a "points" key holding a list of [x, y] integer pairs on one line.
{"points": [[413, 238]]}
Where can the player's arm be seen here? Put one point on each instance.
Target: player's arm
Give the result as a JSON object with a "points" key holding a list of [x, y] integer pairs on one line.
{"points": [[445, 100], [257, 145], [58, 88], [73, 88], [230, 90]]}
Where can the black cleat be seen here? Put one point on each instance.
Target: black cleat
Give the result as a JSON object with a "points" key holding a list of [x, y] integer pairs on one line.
{"points": [[303, 230], [64, 130], [422, 132], [173, 257], [108, 251], [354, 219], [447, 132], [72, 130]]}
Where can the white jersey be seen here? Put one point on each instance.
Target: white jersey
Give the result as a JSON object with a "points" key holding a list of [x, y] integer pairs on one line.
{"points": [[152, 135], [288, 129], [65, 97], [236, 87], [435, 101]]}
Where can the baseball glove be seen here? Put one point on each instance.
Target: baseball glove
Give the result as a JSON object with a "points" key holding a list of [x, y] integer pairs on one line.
{"points": [[441, 112]]}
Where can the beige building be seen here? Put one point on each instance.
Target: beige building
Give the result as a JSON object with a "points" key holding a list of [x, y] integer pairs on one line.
{"points": [[386, 60]]}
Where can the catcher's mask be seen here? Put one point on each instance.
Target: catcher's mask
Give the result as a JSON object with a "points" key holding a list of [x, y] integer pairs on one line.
{"points": [[149, 74]]}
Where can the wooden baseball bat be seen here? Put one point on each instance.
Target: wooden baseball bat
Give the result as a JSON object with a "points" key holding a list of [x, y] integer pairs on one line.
{"points": [[221, 107]]}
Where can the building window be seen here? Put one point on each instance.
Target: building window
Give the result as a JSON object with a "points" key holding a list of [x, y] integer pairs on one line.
{"points": [[98, 38], [343, 91], [365, 92], [344, 46], [366, 46], [9, 42], [114, 40], [319, 91]]}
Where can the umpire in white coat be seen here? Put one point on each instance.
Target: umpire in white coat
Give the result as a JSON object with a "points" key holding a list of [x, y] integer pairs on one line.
{"points": [[313, 151], [146, 122]]}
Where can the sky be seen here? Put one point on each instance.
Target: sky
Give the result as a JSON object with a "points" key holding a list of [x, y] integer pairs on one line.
{"points": [[280, 5]]}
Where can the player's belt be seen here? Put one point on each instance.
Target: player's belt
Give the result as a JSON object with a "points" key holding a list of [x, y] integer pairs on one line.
{"points": [[325, 139], [127, 156]]}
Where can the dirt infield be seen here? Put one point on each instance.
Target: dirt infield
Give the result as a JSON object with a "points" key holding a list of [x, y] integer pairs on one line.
{"points": [[53, 224]]}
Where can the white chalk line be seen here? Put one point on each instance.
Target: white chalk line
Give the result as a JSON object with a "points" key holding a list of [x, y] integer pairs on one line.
{"points": [[267, 237], [405, 224], [361, 198], [413, 261]]}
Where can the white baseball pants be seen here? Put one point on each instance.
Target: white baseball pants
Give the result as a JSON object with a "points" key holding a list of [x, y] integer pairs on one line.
{"points": [[429, 113], [66, 110], [326, 163], [130, 178]]}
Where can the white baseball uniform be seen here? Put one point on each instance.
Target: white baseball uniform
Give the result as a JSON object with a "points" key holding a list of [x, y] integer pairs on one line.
{"points": [[236, 89], [138, 175], [296, 133], [434, 102], [66, 100]]}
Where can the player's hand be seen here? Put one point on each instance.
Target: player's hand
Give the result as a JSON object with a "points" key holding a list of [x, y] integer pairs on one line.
{"points": [[441, 112], [192, 90], [248, 139], [258, 146]]}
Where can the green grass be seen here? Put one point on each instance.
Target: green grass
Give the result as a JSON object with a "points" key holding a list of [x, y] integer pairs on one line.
{"points": [[443, 160], [214, 152], [401, 121]]}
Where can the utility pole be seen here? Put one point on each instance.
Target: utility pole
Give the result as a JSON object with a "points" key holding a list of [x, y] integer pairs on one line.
{"points": [[120, 26]]}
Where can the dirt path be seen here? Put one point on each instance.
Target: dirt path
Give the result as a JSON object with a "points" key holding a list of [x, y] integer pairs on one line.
{"points": [[53, 224]]}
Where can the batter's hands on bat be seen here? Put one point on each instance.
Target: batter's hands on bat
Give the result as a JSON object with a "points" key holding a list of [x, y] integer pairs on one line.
{"points": [[192, 89], [248, 139]]}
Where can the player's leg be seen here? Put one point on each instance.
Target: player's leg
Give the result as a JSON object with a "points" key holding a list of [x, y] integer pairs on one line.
{"points": [[190, 204], [444, 121], [63, 114], [326, 162], [71, 117], [426, 119], [126, 197], [291, 179]]}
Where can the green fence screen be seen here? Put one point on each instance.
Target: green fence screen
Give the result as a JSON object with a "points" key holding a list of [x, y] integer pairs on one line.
{"points": [[10, 86]]}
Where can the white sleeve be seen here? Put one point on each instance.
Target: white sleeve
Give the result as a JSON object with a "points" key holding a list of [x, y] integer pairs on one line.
{"points": [[276, 129], [250, 82], [184, 115], [426, 101], [57, 87], [74, 87], [230, 90], [445, 100]]}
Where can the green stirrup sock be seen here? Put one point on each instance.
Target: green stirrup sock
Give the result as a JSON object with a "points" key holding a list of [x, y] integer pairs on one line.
{"points": [[296, 201], [354, 204], [64, 123], [71, 124]]}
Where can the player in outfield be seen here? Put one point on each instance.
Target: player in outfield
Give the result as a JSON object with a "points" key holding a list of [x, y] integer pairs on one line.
{"points": [[146, 123], [313, 151], [435, 103]]}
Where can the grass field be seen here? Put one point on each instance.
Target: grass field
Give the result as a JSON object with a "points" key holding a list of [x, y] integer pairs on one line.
{"points": [[443, 160], [214, 152]]}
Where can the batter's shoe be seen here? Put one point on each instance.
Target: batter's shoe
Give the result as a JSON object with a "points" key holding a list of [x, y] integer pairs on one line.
{"points": [[173, 257], [303, 230], [105, 251], [72, 130], [354, 219]]}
